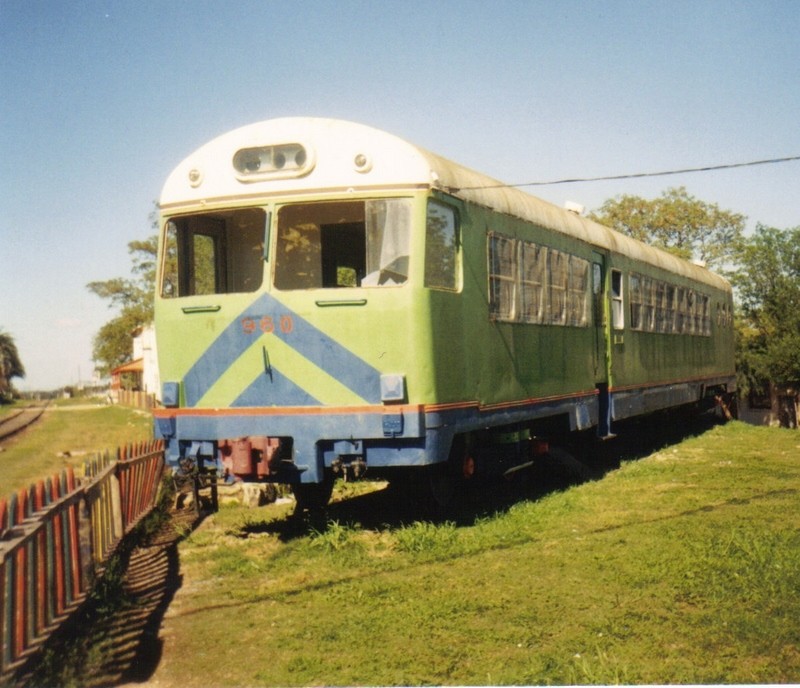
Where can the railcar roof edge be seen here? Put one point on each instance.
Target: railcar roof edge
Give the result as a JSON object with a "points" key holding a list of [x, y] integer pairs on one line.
{"points": [[392, 163]]}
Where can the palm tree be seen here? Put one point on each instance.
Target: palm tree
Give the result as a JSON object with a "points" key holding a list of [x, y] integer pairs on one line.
{"points": [[10, 365]]}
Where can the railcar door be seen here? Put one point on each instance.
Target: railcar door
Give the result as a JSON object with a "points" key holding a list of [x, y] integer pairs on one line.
{"points": [[599, 318], [600, 353]]}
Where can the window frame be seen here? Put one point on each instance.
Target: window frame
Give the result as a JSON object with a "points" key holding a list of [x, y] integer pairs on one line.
{"points": [[617, 293], [179, 243], [496, 310], [282, 276], [455, 285], [667, 307], [572, 305]]}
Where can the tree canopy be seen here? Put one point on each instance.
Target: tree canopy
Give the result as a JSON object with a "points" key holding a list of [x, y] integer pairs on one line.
{"points": [[764, 269], [10, 364], [767, 283], [113, 344], [677, 222]]}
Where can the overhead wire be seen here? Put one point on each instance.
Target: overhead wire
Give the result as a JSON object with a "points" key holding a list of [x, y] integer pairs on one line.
{"points": [[637, 175]]}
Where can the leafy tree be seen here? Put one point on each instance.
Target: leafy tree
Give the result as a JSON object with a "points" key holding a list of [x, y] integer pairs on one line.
{"points": [[676, 222], [113, 344], [10, 365], [768, 287]]}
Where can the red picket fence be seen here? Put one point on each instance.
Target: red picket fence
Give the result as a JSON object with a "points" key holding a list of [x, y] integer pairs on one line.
{"points": [[56, 536]]}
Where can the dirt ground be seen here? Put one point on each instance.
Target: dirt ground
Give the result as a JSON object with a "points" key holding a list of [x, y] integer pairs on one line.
{"points": [[130, 645]]}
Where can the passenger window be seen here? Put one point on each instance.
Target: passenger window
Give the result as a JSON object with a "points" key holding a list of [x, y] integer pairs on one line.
{"points": [[213, 253], [502, 277], [539, 285], [617, 311], [441, 247], [343, 244], [533, 283]]}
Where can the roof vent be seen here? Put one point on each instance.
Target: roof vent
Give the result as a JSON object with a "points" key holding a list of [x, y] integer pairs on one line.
{"points": [[574, 207]]}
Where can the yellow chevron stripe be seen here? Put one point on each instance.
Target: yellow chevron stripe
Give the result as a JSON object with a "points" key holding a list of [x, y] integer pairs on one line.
{"points": [[292, 365]]}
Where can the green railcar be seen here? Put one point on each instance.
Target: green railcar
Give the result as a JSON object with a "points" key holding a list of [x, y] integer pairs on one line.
{"points": [[332, 298]]}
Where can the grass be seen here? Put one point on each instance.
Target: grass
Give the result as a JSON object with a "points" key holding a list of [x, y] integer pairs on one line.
{"points": [[9, 408], [682, 567], [65, 436]]}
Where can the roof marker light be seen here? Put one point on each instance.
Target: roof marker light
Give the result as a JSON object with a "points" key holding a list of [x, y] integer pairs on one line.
{"points": [[195, 177], [362, 163]]}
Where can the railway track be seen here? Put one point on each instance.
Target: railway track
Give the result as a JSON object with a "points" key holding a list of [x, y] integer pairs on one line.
{"points": [[19, 420]]}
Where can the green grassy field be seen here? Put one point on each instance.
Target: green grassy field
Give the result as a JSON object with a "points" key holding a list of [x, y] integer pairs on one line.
{"points": [[68, 434], [681, 567]]}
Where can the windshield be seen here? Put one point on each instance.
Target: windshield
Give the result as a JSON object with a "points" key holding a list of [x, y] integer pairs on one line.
{"points": [[213, 253], [343, 244]]}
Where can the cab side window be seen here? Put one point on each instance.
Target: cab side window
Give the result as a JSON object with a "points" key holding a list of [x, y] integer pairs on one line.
{"points": [[441, 247], [213, 253]]}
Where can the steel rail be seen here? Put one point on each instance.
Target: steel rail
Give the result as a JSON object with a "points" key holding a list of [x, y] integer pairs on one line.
{"points": [[19, 421]]}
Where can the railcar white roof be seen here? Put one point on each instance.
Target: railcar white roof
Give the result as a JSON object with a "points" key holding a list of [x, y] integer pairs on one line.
{"points": [[345, 155]]}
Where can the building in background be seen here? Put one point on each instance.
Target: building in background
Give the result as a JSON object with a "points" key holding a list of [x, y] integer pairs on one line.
{"points": [[137, 382]]}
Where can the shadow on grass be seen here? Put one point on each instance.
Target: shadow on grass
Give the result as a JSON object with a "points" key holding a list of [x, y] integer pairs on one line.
{"points": [[113, 638], [584, 459]]}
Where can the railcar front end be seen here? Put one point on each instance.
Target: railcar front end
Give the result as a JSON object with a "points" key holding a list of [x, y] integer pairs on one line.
{"points": [[295, 302], [277, 374]]}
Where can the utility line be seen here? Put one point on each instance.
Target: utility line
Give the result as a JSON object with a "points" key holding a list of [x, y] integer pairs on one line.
{"points": [[638, 175]]}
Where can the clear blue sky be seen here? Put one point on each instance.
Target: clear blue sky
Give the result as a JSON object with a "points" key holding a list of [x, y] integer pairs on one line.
{"points": [[100, 99]]}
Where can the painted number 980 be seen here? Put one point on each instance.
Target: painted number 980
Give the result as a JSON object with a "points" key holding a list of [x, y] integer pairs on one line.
{"points": [[267, 324]]}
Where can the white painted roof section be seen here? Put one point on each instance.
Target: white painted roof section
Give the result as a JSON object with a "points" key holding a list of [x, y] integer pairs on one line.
{"points": [[333, 145], [392, 163]]}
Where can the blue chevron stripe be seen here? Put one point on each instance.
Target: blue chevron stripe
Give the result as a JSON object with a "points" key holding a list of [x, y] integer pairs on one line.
{"points": [[327, 354], [274, 390]]}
